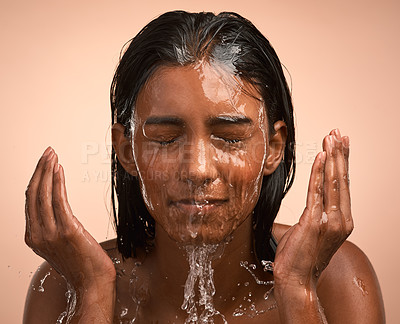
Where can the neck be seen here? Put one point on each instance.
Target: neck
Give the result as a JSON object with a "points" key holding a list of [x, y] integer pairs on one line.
{"points": [[171, 265]]}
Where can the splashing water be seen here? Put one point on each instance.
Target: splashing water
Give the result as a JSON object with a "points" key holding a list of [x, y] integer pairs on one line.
{"points": [[250, 269], [251, 311], [200, 272], [71, 303], [128, 311], [268, 265], [41, 288]]}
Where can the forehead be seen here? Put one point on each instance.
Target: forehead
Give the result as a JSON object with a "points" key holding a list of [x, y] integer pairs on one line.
{"points": [[201, 89]]}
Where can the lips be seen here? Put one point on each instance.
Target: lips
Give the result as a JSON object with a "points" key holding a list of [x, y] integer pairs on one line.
{"points": [[198, 205]]}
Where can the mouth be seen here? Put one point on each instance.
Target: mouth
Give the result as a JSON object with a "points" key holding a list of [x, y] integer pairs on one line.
{"points": [[198, 205]]}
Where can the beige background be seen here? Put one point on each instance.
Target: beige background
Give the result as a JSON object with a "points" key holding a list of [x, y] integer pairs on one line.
{"points": [[57, 61]]}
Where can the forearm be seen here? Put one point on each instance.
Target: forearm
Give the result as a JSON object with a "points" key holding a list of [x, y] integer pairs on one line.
{"points": [[298, 306]]}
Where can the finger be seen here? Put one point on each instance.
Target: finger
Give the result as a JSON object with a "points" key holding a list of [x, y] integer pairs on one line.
{"points": [[346, 152], [346, 143], [31, 215], [44, 198], [62, 209], [331, 183], [316, 185], [337, 196], [343, 178]]}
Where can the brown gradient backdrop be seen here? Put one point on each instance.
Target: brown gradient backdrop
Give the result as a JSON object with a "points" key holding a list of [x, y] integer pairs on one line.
{"points": [[57, 61]]}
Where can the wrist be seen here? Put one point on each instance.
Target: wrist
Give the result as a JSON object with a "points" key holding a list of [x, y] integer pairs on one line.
{"points": [[295, 287], [95, 304], [298, 305], [96, 291], [295, 296], [82, 282]]}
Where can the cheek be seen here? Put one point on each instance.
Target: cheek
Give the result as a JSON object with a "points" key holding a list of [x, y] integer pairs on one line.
{"points": [[243, 170], [153, 175]]}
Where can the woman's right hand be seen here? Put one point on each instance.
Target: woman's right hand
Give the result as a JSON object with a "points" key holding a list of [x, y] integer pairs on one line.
{"points": [[55, 234]]}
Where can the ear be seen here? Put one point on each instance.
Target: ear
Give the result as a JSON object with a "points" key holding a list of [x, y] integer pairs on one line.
{"points": [[123, 148], [276, 148]]}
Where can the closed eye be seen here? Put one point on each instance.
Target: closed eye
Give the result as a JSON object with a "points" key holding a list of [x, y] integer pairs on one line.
{"points": [[229, 139], [164, 132], [165, 143]]}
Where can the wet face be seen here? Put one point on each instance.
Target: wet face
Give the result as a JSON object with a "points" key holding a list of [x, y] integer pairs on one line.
{"points": [[200, 146]]}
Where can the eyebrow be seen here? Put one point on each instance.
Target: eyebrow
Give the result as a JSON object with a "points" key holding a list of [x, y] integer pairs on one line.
{"points": [[212, 121], [229, 120], [164, 120]]}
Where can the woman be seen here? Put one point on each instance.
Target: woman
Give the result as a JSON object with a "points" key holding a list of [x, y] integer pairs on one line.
{"points": [[202, 156]]}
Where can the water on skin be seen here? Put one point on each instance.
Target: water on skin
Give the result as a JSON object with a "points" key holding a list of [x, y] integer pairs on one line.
{"points": [[251, 310], [66, 316], [41, 288], [199, 290], [324, 218], [127, 312], [360, 285], [71, 303]]}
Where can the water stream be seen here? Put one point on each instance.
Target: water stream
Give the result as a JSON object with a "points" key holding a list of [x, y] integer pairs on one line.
{"points": [[200, 279]]}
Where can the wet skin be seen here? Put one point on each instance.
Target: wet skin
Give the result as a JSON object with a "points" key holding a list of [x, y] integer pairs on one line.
{"points": [[201, 156], [210, 168]]}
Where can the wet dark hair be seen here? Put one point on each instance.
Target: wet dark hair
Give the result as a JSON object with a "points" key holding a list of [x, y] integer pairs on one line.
{"points": [[180, 38]]}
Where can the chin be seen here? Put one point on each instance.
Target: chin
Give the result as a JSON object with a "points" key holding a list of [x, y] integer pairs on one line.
{"points": [[203, 235]]}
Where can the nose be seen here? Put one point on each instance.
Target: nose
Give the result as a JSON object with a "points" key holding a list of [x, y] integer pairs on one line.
{"points": [[198, 165]]}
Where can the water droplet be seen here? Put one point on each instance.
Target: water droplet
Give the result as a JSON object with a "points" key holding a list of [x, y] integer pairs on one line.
{"points": [[41, 288], [268, 265], [124, 311], [324, 218], [258, 281], [361, 285]]}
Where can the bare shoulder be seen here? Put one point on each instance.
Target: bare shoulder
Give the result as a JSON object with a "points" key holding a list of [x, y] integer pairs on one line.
{"points": [[348, 287], [46, 297]]}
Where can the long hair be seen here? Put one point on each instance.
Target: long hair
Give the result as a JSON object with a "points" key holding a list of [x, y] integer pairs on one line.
{"points": [[179, 38]]}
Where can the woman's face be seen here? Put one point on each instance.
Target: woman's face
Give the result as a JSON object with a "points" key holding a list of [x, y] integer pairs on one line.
{"points": [[200, 145]]}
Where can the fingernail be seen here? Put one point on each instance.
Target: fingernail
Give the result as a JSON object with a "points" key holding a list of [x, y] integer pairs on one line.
{"points": [[56, 168], [323, 157], [332, 143], [47, 151], [337, 134], [50, 155], [346, 142]]}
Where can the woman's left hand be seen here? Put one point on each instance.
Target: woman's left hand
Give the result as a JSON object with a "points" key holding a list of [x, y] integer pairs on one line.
{"points": [[307, 247]]}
